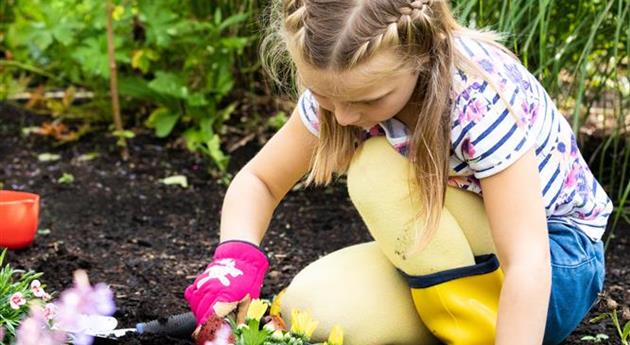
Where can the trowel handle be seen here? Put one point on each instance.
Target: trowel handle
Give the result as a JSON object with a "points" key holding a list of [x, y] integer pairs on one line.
{"points": [[180, 326]]}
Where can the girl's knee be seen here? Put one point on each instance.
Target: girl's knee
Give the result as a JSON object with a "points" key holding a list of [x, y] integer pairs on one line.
{"points": [[358, 289]]}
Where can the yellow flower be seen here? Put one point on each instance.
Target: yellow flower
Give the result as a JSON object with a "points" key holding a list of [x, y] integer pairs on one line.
{"points": [[302, 323], [336, 336], [256, 310], [275, 304], [118, 12]]}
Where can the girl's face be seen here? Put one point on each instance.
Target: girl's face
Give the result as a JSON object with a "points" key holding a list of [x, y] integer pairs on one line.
{"points": [[374, 91]]}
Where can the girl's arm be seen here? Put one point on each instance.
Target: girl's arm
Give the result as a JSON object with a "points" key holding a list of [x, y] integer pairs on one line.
{"points": [[260, 186], [516, 212]]}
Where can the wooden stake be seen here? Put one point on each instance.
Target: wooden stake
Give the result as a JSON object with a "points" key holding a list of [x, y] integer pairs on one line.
{"points": [[113, 80]]}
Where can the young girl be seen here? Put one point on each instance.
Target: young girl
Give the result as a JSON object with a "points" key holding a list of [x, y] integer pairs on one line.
{"points": [[465, 173]]}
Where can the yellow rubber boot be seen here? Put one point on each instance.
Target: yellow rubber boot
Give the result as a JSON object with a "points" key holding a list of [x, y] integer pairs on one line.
{"points": [[459, 306]]}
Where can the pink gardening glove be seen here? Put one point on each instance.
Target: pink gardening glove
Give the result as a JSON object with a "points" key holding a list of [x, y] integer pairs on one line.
{"points": [[236, 273]]}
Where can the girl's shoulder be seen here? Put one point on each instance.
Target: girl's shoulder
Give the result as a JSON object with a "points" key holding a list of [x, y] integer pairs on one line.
{"points": [[495, 107]]}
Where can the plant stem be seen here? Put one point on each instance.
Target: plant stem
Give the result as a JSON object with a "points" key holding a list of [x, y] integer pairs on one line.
{"points": [[113, 81]]}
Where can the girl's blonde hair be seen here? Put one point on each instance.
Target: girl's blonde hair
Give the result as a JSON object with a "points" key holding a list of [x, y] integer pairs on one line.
{"points": [[337, 35]]}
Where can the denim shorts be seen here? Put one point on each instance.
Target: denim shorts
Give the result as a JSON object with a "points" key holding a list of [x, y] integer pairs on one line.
{"points": [[577, 269]]}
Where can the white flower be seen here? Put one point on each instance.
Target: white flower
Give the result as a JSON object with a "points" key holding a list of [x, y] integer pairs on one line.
{"points": [[222, 336]]}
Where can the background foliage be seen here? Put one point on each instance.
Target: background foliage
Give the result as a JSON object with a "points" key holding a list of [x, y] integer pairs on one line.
{"points": [[181, 61], [177, 57]]}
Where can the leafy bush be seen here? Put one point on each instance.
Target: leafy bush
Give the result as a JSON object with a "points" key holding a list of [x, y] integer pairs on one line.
{"points": [[177, 57]]}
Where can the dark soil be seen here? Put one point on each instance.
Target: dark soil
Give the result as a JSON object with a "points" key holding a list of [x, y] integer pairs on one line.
{"points": [[148, 240]]}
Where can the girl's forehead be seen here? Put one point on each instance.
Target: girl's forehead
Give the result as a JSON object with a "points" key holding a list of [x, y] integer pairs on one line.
{"points": [[370, 78]]}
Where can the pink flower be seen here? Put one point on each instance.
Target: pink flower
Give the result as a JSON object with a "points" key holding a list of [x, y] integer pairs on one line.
{"points": [[16, 300], [50, 310], [1, 333], [474, 111], [36, 288], [47, 297], [83, 298], [571, 179], [34, 330]]}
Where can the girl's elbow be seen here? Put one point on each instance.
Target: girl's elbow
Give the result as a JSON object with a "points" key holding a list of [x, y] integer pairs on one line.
{"points": [[538, 266]]}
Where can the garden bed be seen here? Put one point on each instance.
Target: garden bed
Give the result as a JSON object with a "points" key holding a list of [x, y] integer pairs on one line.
{"points": [[148, 240]]}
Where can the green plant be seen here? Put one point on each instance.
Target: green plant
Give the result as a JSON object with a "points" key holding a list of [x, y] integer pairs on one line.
{"points": [[18, 289], [623, 331], [178, 59], [66, 178], [598, 338], [253, 332]]}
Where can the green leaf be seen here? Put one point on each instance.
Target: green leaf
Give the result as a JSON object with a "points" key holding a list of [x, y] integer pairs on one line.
{"points": [[66, 178], [65, 30], [163, 120], [48, 157], [253, 335], [277, 120], [234, 43], [214, 150], [196, 100], [169, 84], [626, 332], [232, 20], [180, 180], [160, 20], [139, 88], [124, 134], [86, 157], [224, 79], [599, 317], [92, 57]]}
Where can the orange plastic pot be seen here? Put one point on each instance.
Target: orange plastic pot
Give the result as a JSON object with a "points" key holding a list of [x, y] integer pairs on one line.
{"points": [[19, 217]]}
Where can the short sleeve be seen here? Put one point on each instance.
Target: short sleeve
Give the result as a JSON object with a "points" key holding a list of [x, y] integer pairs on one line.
{"points": [[308, 109], [486, 134]]}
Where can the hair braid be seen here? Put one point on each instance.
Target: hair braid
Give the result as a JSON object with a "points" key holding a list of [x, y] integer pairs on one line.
{"points": [[294, 19], [416, 13]]}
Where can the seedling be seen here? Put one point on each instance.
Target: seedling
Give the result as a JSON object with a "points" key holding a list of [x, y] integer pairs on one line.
{"points": [[595, 339], [622, 331], [66, 178]]}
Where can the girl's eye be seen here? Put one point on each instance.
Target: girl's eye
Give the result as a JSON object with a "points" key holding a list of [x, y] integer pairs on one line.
{"points": [[368, 103]]}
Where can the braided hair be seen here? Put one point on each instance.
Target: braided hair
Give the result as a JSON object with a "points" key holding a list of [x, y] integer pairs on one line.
{"points": [[337, 35]]}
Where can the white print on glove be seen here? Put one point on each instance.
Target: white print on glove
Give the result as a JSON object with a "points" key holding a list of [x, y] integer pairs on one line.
{"points": [[220, 270]]}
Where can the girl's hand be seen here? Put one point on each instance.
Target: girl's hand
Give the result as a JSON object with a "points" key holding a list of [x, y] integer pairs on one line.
{"points": [[236, 273]]}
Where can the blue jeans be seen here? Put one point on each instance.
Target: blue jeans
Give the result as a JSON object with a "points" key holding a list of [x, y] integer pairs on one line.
{"points": [[577, 269]]}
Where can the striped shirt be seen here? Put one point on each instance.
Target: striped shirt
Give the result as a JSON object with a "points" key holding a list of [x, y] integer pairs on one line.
{"points": [[486, 138]]}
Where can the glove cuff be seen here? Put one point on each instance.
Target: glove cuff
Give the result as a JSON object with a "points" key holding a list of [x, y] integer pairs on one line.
{"points": [[242, 251]]}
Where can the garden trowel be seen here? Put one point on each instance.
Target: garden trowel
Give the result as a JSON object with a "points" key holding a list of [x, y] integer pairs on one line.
{"points": [[179, 326]]}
